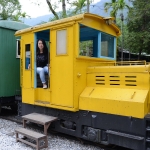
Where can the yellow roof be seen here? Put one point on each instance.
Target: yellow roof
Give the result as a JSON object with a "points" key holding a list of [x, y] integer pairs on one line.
{"points": [[69, 19]]}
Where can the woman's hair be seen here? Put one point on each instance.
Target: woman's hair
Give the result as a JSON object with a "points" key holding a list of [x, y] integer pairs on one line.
{"points": [[45, 50]]}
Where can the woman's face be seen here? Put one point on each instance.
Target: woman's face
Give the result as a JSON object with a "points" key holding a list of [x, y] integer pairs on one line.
{"points": [[40, 45]]}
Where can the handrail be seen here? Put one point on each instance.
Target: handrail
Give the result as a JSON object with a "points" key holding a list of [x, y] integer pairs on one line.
{"points": [[122, 63]]}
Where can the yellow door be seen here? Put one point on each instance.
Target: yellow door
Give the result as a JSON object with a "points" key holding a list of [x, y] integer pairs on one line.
{"points": [[28, 76], [27, 73], [61, 67]]}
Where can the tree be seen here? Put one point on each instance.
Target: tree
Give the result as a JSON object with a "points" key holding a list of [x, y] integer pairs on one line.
{"points": [[53, 7], [115, 6], [139, 27], [64, 8], [79, 5], [10, 9], [125, 33], [19, 17]]}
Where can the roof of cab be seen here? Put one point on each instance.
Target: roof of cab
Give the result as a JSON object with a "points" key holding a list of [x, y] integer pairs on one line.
{"points": [[69, 19], [14, 25]]}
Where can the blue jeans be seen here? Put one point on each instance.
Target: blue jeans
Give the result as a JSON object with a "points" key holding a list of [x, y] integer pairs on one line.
{"points": [[41, 71]]}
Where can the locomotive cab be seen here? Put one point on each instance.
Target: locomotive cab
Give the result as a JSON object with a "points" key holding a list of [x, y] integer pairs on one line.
{"points": [[74, 44], [93, 96]]}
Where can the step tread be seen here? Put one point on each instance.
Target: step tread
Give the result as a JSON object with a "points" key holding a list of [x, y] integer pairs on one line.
{"points": [[30, 133], [39, 118]]}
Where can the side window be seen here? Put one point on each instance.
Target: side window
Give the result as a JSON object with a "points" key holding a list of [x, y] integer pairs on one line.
{"points": [[88, 41], [27, 55], [107, 45], [86, 48], [18, 48], [61, 40], [94, 43]]}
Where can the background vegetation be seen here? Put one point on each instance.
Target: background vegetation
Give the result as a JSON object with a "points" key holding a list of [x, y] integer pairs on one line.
{"points": [[135, 26]]}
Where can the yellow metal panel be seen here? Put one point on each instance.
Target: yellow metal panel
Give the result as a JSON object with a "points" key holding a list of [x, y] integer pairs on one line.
{"points": [[27, 75], [28, 96], [21, 63], [32, 65], [26, 79], [61, 78], [99, 24], [119, 69], [122, 80], [27, 91], [80, 65], [63, 107], [80, 76], [125, 102], [21, 72], [42, 95], [87, 18]]}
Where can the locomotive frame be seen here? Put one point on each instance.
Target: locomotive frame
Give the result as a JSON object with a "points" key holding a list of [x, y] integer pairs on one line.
{"points": [[94, 97]]}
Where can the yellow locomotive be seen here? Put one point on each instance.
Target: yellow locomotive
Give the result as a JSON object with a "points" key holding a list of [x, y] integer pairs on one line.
{"points": [[94, 97]]}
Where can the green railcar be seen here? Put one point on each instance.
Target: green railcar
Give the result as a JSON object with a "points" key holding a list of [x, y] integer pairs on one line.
{"points": [[9, 62]]}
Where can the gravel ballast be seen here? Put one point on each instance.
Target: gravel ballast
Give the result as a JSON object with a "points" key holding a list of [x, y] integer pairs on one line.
{"points": [[55, 142]]}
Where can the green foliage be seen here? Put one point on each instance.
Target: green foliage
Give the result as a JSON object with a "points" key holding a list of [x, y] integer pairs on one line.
{"points": [[11, 9], [76, 7], [53, 6], [139, 27], [123, 38], [115, 6], [8, 8], [79, 6], [85, 46], [19, 16]]}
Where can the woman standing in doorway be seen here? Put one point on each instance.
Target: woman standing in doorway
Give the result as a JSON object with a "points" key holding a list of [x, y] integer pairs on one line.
{"points": [[42, 60]]}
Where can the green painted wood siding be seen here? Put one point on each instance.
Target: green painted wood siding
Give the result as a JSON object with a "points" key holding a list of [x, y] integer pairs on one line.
{"points": [[9, 64]]}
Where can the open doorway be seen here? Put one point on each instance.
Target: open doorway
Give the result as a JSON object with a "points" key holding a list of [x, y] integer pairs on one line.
{"points": [[44, 35]]}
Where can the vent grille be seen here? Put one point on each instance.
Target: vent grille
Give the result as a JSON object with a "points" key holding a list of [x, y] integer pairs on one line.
{"points": [[130, 81], [115, 80], [100, 80]]}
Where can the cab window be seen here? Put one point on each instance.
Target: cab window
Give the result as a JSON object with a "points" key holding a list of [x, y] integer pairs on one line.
{"points": [[94, 43], [18, 48], [27, 55]]}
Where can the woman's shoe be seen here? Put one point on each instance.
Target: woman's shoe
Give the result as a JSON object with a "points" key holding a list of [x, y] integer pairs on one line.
{"points": [[45, 86]]}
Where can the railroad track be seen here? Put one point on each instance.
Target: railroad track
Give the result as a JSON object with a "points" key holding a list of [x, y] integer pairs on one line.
{"points": [[9, 115]]}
